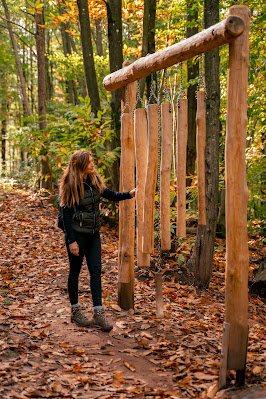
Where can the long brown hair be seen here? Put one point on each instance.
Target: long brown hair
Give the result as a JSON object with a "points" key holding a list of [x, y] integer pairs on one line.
{"points": [[71, 186]]}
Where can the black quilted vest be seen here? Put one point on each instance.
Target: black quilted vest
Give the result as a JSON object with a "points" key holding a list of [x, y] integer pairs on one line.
{"points": [[86, 218]]}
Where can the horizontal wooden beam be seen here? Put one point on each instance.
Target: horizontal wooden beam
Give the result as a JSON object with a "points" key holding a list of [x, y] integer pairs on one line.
{"points": [[206, 40]]}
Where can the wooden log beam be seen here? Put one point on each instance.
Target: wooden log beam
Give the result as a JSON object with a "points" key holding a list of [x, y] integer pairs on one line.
{"points": [[237, 257], [206, 40]]}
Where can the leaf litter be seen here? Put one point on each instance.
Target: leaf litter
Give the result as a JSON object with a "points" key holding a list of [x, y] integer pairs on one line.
{"points": [[43, 355]]}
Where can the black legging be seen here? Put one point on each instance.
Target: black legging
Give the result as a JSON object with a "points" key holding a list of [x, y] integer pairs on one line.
{"points": [[90, 247]]}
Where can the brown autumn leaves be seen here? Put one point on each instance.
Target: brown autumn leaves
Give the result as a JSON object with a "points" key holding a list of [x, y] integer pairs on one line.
{"points": [[43, 355]]}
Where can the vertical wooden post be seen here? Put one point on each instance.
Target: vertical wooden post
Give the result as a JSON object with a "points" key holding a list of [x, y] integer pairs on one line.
{"points": [[159, 295], [181, 167], [166, 160], [141, 143], [151, 178], [127, 208], [224, 356], [201, 142], [237, 257]]}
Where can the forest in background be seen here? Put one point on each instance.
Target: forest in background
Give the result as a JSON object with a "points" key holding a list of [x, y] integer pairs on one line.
{"points": [[52, 103]]}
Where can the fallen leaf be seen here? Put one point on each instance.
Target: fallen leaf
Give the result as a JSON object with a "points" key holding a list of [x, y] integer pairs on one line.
{"points": [[201, 376], [129, 366]]}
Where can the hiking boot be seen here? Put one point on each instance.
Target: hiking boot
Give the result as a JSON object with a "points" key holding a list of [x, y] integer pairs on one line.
{"points": [[99, 320], [78, 317]]}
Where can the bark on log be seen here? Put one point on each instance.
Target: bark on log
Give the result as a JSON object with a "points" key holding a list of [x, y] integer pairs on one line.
{"points": [[126, 290], [206, 40], [201, 142], [181, 167], [126, 269], [141, 146], [165, 173], [132, 89], [224, 356], [151, 178], [159, 295], [237, 258]]}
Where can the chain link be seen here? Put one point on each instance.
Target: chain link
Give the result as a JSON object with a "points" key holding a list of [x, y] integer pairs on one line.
{"points": [[166, 94], [139, 99], [152, 90], [201, 82], [181, 91], [127, 105]]}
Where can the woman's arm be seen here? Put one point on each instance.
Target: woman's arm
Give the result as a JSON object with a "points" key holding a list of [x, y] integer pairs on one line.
{"points": [[67, 219], [117, 196]]}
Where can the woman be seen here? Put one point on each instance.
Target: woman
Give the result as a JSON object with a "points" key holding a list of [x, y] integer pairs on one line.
{"points": [[80, 190]]}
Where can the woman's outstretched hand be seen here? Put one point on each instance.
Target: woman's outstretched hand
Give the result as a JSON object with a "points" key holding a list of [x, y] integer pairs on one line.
{"points": [[132, 192], [74, 248]]}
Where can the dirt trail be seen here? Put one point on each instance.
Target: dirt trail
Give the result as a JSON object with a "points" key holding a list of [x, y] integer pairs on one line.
{"points": [[44, 355]]}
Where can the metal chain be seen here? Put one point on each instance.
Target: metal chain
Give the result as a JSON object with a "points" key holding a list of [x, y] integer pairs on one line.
{"points": [[152, 90], [127, 105], [138, 99], [201, 83], [166, 93], [181, 92]]}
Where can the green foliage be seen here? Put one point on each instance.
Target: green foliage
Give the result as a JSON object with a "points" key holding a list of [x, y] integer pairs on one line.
{"points": [[69, 128], [256, 176]]}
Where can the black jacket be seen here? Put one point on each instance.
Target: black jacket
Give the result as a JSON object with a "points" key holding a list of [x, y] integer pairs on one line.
{"points": [[85, 217]]}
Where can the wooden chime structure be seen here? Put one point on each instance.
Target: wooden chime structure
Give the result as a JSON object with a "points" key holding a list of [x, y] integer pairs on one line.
{"points": [[235, 31]]}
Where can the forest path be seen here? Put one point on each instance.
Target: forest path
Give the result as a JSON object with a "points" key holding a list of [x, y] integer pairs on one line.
{"points": [[44, 355]]}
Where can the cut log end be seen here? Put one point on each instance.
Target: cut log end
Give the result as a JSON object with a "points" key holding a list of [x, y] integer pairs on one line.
{"points": [[235, 25]]}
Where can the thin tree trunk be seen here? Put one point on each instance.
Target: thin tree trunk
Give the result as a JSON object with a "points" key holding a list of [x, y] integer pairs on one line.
{"points": [[145, 32], [71, 85], [192, 73], [46, 169], [201, 260], [151, 41], [88, 59], [4, 110], [49, 85], [99, 37], [81, 79], [114, 14], [17, 59]]}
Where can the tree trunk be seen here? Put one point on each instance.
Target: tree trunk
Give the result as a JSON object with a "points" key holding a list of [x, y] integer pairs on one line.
{"points": [[192, 73], [145, 32], [17, 59], [46, 169], [4, 106], [99, 37], [71, 85], [202, 257], [114, 14], [81, 79], [49, 77], [88, 60], [151, 41]]}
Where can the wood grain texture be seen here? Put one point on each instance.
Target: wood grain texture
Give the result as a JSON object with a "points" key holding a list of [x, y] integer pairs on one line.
{"points": [[141, 147], [181, 167], [206, 40], [165, 174], [201, 142], [151, 179], [237, 257]]}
